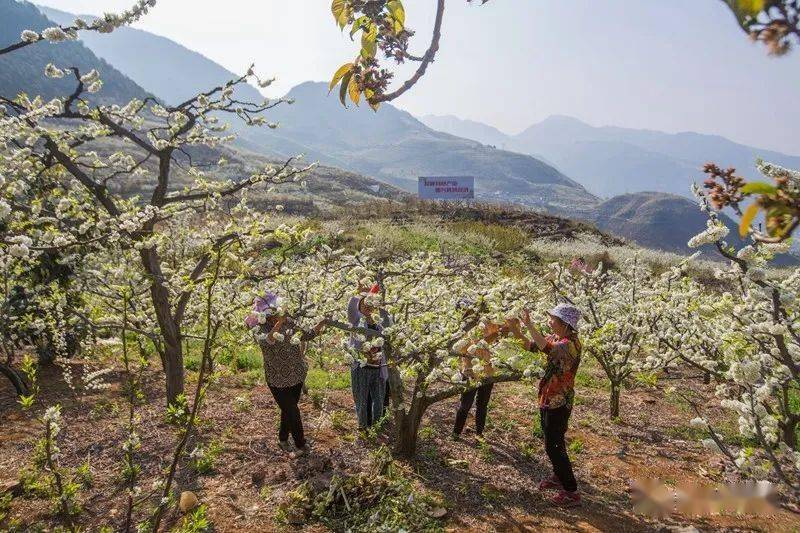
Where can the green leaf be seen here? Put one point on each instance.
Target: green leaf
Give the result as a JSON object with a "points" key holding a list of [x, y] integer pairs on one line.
{"points": [[354, 90], [398, 13], [360, 23], [341, 12], [368, 94], [746, 10], [759, 187], [343, 88], [26, 401], [344, 69], [369, 42], [747, 219]]}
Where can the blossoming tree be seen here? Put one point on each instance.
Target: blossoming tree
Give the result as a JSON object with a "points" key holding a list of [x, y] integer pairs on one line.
{"points": [[423, 294], [621, 310], [60, 149], [757, 363]]}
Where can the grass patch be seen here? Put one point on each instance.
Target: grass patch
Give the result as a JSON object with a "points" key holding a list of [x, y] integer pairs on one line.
{"points": [[339, 420], [491, 494], [686, 432], [485, 451], [588, 380], [500, 238], [575, 447], [322, 379]]}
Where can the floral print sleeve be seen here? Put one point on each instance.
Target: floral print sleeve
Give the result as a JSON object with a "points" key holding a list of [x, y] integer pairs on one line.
{"points": [[557, 386]]}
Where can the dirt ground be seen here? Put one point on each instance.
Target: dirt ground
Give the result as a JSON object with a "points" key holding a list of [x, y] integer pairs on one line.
{"points": [[486, 487]]}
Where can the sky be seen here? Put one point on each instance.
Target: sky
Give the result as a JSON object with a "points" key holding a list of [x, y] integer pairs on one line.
{"points": [[668, 65]]}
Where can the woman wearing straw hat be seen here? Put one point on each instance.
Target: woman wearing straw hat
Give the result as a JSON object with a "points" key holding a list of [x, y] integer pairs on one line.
{"points": [[556, 392]]}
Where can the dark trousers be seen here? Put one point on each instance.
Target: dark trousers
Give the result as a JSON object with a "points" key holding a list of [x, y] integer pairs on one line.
{"points": [[291, 422], [369, 390], [484, 394], [554, 427]]}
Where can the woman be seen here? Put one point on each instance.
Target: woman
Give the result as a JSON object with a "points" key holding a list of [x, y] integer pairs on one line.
{"points": [[285, 368], [556, 392], [369, 372], [491, 332]]}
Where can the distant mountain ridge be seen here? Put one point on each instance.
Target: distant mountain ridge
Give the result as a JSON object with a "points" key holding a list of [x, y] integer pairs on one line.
{"points": [[23, 70], [160, 65], [469, 129], [395, 147], [391, 145], [612, 160], [652, 219]]}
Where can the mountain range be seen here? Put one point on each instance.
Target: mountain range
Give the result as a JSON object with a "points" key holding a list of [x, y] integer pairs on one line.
{"points": [[23, 70], [611, 160], [391, 146]]}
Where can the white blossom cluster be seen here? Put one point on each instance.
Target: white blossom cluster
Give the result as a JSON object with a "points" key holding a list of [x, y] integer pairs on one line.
{"points": [[105, 24], [715, 231]]}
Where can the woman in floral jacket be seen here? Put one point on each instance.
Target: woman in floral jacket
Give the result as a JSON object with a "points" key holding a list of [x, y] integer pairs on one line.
{"points": [[556, 392]]}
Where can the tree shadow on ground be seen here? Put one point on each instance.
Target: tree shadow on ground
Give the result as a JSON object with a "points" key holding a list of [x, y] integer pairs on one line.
{"points": [[500, 492]]}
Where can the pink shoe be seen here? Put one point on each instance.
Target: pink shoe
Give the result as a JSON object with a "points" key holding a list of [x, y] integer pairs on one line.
{"points": [[551, 483], [564, 498]]}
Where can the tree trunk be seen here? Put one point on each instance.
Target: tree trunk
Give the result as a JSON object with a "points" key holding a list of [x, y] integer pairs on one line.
{"points": [[789, 432], [16, 380], [614, 400], [169, 328], [407, 429]]}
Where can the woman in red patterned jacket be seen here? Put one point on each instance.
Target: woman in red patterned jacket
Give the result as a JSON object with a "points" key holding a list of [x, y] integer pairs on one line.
{"points": [[556, 392]]}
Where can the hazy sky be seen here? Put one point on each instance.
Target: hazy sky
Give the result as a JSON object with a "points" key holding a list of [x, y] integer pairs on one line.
{"points": [[671, 65]]}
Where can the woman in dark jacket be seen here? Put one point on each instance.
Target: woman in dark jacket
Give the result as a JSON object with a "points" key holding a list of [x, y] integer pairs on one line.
{"points": [[285, 367]]}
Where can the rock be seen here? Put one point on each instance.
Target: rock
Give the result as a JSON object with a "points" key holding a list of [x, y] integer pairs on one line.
{"points": [[437, 512], [258, 477], [296, 517], [320, 482], [14, 487], [188, 501]]}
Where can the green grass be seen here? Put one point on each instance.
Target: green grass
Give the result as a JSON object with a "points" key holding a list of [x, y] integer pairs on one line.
{"points": [[575, 447], [339, 420], [536, 427], [322, 379], [502, 238], [485, 451], [587, 380], [491, 494], [646, 379]]}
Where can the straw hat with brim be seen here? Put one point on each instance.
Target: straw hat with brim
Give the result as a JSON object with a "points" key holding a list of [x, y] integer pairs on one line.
{"points": [[568, 314]]}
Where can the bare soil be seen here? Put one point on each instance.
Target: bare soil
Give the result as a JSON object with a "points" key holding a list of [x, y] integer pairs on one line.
{"points": [[489, 487]]}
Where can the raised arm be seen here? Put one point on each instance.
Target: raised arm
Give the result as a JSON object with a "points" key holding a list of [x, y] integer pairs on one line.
{"points": [[536, 335]]}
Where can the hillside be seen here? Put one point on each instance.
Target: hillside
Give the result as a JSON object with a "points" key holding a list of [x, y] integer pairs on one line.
{"points": [[323, 190], [394, 146], [391, 145], [23, 70], [652, 219], [131, 51], [611, 160]]}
